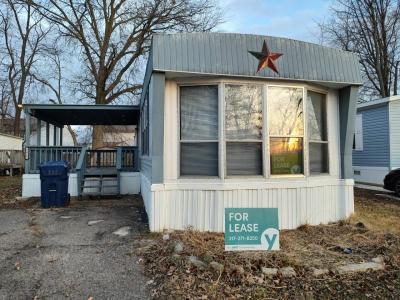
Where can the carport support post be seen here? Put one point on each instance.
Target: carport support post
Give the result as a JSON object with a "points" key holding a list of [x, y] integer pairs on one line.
{"points": [[39, 132], [47, 133], [27, 140], [61, 136], [54, 135]]}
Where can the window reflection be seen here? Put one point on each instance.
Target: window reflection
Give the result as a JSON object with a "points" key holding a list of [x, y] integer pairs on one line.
{"points": [[286, 156], [285, 106], [243, 112]]}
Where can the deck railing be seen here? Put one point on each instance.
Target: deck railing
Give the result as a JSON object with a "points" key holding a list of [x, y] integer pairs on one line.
{"points": [[129, 159], [101, 158], [11, 158], [38, 155]]}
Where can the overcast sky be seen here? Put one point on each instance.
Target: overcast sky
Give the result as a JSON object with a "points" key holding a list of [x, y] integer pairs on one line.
{"points": [[285, 18]]}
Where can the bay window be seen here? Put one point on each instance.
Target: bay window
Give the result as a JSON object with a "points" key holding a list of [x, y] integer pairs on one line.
{"points": [[199, 130], [317, 133], [244, 139], [243, 129], [286, 130]]}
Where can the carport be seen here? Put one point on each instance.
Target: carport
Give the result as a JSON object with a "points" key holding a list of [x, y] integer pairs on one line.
{"points": [[97, 171]]}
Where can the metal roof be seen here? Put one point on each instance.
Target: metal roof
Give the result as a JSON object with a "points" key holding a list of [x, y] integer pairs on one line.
{"points": [[227, 54], [69, 114]]}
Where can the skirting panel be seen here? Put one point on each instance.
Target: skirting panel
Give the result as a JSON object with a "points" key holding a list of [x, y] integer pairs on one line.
{"points": [[31, 185], [203, 209]]}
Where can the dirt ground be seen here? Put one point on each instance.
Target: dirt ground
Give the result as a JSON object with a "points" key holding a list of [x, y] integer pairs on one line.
{"points": [[373, 231]]}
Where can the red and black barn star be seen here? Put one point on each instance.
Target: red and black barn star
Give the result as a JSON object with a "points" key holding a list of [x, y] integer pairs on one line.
{"points": [[266, 58]]}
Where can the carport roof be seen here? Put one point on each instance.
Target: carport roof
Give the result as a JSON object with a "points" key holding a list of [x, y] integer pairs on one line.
{"points": [[69, 114]]}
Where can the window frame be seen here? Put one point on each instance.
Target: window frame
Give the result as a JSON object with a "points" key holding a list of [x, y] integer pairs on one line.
{"points": [[305, 150], [222, 175], [358, 146], [145, 126], [327, 142], [261, 141], [212, 83]]}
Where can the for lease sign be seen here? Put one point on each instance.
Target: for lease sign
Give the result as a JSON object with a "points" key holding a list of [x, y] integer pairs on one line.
{"points": [[251, 229]]}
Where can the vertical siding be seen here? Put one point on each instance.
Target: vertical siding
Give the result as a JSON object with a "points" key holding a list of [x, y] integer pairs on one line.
{"points": [[227, 53], [394, 107], [375, 151], [203, 209]]}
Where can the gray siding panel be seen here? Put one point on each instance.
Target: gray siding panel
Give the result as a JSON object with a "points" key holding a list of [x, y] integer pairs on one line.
{"points": [[145, 166], [348, 97], [227, 54], [375, 126]]}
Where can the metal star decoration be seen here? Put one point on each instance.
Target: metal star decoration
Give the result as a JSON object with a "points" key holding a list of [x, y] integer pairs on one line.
{"points": [[266, 58]]}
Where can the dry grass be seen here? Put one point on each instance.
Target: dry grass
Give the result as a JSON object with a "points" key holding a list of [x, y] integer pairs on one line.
{"points": [[376, 212], [10, 187], [372, 231]]}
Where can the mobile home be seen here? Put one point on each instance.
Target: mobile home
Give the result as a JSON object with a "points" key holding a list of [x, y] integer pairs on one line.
{"points": [[233, 120], [376, 148]]}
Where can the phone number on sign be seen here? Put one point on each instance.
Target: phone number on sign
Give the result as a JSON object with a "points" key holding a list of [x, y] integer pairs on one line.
{"points": [[243, 238]]}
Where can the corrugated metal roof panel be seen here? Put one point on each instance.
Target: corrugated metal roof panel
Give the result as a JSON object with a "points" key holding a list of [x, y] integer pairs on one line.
{"points": [[227, 54]]}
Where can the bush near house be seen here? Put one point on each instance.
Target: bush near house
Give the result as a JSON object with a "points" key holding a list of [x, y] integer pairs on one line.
{"points": [[193, 265]]}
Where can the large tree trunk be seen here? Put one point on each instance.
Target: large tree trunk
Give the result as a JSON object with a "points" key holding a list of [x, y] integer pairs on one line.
{"points": [[17, 121], [97, 137], [98, 130], [73, 135]]}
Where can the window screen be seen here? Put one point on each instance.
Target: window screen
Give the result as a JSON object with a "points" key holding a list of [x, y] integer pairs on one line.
{"points": [[243, 129], [199, 130], [317, 133]]}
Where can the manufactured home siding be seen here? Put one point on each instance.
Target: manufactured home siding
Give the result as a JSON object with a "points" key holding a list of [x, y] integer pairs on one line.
{"points": [[375, 151], [8, 142], [227, 54], [395, 133]]}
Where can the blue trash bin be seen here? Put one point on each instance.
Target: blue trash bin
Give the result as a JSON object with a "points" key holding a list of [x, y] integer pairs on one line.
{"points": [[54, 184]]}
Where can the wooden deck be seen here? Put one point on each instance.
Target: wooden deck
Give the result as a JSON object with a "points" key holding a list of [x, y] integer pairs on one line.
{"points": [[11, 160]]}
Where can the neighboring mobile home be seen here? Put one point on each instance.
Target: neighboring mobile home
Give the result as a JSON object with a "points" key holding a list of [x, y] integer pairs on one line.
{"points": [[376, 148], [11, 157], [216, 133]]}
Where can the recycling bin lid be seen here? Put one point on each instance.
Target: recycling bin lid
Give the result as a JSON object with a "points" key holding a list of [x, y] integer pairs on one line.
{"points": [[54, 164]]}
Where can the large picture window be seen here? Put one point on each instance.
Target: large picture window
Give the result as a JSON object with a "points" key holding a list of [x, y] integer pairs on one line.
{"points": [[199, 130], [243, 129], [317, 133], [286, 130]]}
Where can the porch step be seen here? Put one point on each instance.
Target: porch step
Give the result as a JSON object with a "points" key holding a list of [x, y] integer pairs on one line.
{"points": [[104, 184]]}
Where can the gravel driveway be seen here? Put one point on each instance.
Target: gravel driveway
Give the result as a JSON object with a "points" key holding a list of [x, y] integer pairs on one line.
{"points": [[55, 254]]}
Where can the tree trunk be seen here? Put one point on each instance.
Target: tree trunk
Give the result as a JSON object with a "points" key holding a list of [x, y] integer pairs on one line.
{"points": [[73, 135], [97, 137], [17, 121]]}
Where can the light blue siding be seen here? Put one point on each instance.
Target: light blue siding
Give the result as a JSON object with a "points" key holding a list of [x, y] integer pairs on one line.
{"points": [[375, 124]]}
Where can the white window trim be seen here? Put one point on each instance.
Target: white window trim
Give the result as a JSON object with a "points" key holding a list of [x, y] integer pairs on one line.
{"points": [[315, 90], [225, 140], [265, 138], [215, 83]]}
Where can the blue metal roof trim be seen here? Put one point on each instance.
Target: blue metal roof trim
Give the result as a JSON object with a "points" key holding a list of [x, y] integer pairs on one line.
{"points": [[227, 54]]}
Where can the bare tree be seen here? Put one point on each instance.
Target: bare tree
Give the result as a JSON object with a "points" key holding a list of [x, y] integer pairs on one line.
{"points": [[114, 35], [371, 29], [51, 77], [5, 103], [22, 33]]}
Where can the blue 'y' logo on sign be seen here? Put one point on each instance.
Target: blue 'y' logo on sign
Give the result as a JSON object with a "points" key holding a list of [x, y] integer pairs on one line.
{"points": [[270, 239]]}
